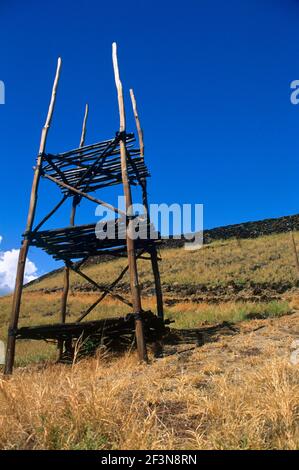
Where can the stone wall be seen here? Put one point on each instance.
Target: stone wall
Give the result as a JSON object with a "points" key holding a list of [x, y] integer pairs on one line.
{"points": [[244, 230]]}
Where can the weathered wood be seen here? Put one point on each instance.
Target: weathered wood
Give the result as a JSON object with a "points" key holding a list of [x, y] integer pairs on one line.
{"points": [[153, 251], [87, 154], [83, 133], [78, 172], [63, 155], [113, 331], [295, 252], [81, 193], [99, 160], [49, 215], [76, 242], [106, 174], [141, 146], [137, 121], [158, 287], [110, 169], [66, 283], [63, 306], [87, 175], [105, 289], [85, 159], [11, 340], [136, 299], [104, 294]]}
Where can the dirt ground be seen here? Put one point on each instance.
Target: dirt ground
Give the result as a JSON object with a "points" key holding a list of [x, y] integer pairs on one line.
{"points": [[227, 344]]}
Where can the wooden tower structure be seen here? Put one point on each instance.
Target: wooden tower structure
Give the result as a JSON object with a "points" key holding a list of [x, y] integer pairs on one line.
{"points": [[77, 173]]}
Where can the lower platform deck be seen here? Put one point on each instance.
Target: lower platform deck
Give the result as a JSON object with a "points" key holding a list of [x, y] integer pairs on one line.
{"points": [[84, 338], [110, 328]]}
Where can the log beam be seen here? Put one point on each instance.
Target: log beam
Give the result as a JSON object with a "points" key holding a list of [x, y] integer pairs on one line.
{"points": [[66, 281], [134, 284], [94, 283], [14, 318], [81, 193], [153, 251]]}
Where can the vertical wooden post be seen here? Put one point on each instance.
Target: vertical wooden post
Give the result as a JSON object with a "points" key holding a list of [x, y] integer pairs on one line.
{"points": [[83, 133], [137, 121], [66, 281], [141, 146], [13, 324], [153, 253], [158, 288], [135, 290], [295, 251]]}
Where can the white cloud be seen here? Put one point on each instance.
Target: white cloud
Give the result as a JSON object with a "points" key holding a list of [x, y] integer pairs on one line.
{"points": [[8, 268]]}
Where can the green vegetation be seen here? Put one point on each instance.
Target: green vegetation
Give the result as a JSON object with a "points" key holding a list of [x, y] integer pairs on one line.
{"points": [[194, 316]]}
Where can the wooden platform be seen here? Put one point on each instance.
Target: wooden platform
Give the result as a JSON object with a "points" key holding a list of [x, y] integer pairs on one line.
{"points": [[78, 172], [119, 329], [95, 166], [80, 241]]}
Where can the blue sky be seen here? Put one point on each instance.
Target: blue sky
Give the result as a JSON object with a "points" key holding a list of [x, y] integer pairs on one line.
{"points": [[212, 80]]}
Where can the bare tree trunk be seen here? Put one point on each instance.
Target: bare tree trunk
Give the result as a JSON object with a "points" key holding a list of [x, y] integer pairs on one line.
{"points": [[295, 252], [153, 253], [135, 290], [11, 340], [66, 282]]}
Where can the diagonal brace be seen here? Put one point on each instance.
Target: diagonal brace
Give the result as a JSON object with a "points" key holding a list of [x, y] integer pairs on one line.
{"points": [[94, 283], [104, 294], [87, 196]]}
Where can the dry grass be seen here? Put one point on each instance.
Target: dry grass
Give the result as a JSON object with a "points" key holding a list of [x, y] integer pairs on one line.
{"points": [[227, 395], [40, 309], [234, 392]]}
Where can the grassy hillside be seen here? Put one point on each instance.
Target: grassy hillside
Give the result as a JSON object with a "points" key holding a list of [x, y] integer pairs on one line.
{"points": [[234, 390], [227, 280], [267, 259], [237, 391]]}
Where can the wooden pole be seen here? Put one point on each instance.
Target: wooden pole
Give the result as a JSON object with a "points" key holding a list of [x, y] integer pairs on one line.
{"points": [[134, 284], [295, 251], [138, 125], [141, 146], [13, 324], [153, 252], [105, 289], [157, 279], [52, 212], [66, 281], [81, 193], [83, 133], [105, 293]]}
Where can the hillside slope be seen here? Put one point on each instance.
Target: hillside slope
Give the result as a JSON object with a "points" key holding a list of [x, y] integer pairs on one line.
{"points": [[225, 379], [260, 268], [237, 390], [226, 280]]}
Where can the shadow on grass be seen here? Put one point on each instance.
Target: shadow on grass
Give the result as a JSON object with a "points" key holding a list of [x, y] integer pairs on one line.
{"points": [[195, 336]]}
